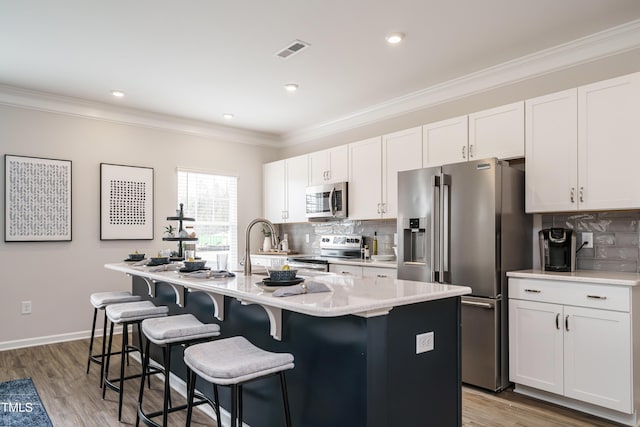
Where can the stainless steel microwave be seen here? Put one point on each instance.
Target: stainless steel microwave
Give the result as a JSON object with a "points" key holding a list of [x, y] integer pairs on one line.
{"points": [[327, 201]]}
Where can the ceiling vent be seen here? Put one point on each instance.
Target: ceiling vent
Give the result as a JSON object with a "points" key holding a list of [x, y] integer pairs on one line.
{"points": [[294, 47]]}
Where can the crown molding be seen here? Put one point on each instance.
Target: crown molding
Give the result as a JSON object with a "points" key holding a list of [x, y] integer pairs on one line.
{"points": [[52, 103], [596, 46]]}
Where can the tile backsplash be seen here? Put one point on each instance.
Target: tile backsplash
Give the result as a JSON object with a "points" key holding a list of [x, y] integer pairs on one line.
{"points": [[615, 238], [297, 234]]}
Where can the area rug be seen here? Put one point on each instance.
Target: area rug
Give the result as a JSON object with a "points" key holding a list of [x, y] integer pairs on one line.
{"points": [[20, 405]]}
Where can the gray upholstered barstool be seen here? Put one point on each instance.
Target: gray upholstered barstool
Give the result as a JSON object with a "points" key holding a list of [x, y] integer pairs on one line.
{"points": [[167, 332], [234, 362], [100, 300], [125, 314]]}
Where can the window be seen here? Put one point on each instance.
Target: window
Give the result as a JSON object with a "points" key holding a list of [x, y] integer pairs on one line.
{"points": [[213, 201]]}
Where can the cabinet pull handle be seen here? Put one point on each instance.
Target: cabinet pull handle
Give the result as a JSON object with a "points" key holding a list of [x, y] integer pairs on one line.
{"points": [[382, 275], [470, 150], [464, 154], [328, 175], [566, 322], [573, 195], [379, 208], [345, 272], [596, 297], [581, 194], [533, 291], [384, 207], [558, 321]]}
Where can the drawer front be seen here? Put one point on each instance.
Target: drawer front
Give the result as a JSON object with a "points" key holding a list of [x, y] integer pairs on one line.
{"points": [[381, 272], [606, 297], [346, 270]]}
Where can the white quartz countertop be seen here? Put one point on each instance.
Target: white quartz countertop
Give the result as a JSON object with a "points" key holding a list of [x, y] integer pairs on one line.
{"points": [[363, 263], [584, 276], [363, 296]]}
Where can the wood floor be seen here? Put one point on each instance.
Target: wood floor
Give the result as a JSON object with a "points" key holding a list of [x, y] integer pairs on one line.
{"points": [[73, 398]]}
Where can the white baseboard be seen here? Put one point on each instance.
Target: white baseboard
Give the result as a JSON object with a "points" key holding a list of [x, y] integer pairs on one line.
{"points": [[52, 339]]}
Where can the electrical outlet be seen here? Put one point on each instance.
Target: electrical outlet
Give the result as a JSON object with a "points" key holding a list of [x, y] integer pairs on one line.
{"points": [[306, 236], [26, 307], [587, 237], [424, 342]]}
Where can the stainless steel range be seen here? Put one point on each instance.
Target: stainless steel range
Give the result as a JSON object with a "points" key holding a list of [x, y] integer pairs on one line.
{"points": [[331, 246]]}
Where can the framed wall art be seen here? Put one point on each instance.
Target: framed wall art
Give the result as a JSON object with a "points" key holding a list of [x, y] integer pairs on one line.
{"points": [[126, 202], [37, 199]]}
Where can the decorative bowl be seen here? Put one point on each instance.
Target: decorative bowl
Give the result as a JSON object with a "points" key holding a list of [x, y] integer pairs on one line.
{"points": [[159, 260], [282, 275], [136, 257], [194, 265]]}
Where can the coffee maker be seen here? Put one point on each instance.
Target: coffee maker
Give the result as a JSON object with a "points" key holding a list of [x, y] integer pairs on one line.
{"points": [[557, 249]]}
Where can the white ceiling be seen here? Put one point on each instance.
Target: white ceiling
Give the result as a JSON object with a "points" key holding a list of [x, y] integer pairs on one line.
{"points": [[198, 59]]}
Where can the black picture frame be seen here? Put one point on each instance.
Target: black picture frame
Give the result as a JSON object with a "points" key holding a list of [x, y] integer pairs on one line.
{"points": [[38, 199], [126, 202]]}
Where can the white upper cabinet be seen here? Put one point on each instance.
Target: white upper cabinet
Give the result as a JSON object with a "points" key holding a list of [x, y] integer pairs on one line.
{"points": [[609, 144], [297, 183], [274, 192], [329, 166], [373, 172], [497, 132], [401, 151], [285, 182], [582, 148], [445, 142], [365, 179], [552, 152]]}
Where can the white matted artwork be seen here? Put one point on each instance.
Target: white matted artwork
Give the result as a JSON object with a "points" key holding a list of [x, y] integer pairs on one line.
{"points": [[37, 199], [126, 202]]}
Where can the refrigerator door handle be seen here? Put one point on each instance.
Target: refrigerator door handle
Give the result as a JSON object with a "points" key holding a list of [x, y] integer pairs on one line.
{"points": [[435, 185], [445, 185]]}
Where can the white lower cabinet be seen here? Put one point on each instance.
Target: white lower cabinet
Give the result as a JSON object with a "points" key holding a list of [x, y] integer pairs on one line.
{"points": [[573, 340], [363, 271]]}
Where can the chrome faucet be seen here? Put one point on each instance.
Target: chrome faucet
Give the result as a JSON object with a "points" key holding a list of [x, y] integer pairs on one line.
{"points": [[247, 256]]}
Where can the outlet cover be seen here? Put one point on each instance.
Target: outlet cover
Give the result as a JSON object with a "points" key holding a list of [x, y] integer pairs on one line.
{"points": [[25, 307], [587, 237], [424, 342]]}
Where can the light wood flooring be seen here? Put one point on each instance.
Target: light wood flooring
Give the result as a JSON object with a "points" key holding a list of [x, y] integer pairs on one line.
{"points": [[73, 398]]}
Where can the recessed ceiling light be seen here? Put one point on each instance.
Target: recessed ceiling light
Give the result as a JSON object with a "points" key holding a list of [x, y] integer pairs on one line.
{"points": [[291, 87], [227, 116], [117, 93], [395, 38]]}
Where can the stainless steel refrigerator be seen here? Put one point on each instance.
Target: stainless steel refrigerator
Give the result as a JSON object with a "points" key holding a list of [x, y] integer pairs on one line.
{"points": [[464, 224]]}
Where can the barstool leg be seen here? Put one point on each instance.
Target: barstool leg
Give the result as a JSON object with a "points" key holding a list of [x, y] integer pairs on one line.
{"points": [[217, 406], [123, 354], [191, 389], [106, 369], [234, 405], [145, 367], [93, 331], [167, 388], [240, 405], [104, 342], [283, 387]]}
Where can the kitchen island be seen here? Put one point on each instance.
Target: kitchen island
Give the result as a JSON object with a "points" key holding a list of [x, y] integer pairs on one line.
{"points": [[354, 347]]}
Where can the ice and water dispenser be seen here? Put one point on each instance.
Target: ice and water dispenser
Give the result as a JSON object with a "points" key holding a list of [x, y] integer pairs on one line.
{"points": [[414, 240]]}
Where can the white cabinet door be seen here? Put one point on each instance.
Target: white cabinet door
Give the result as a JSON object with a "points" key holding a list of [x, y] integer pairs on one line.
{"points": [[318, 167], [551, 152], [609, 144], [297, 182], [329, 166], [345, 270], [365, 179], [597, 357], [274, 191], [536, 345], [339, 164], [379, 272], [498, 132], [445, 142], [401, 151]]}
